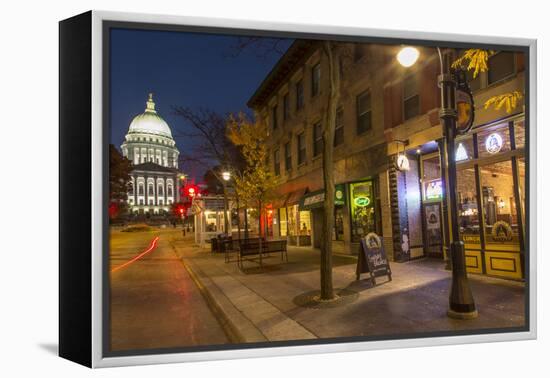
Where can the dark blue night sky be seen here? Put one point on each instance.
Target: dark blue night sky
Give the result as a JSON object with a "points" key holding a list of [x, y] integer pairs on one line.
{"points": [[184, 69]]}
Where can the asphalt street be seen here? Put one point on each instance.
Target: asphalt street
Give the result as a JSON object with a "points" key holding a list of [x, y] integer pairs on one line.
{"points": [[154, 303]]}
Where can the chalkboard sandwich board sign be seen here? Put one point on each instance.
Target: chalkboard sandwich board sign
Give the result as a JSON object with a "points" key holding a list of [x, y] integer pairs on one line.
{"points": [[372, 258]]}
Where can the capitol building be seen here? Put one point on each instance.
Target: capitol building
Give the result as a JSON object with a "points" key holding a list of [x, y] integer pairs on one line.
{"points": [[150, 147]]}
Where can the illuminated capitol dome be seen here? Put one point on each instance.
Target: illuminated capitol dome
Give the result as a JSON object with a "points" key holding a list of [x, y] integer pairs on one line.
{"points": [[152, 150]]}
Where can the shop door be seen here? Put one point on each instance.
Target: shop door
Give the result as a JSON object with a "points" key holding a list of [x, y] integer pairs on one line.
{"points": [[433, 230]]}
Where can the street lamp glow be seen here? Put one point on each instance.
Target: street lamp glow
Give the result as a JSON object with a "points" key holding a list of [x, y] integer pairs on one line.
{"points": [[408, 56], [226, 175]]}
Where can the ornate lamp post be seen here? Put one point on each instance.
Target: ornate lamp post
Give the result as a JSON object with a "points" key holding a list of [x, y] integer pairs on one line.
{"points": [[226, 176], [461, 301]]}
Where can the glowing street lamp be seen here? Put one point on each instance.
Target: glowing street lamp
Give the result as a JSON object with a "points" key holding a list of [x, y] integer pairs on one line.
{"points": [[408, 56], [461, 300], [226, 175]]}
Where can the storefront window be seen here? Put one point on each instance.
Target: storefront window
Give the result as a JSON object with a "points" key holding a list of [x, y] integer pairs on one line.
{"points": [[291, 222], [521, 179], [282, 222], [305, 223], [519, 133], [494, 140], [338, 223], [467, 206], [362, 210], [500, 215]]}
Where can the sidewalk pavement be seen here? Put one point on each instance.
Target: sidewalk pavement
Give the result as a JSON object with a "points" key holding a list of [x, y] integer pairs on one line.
{"points": [[268, 304]]}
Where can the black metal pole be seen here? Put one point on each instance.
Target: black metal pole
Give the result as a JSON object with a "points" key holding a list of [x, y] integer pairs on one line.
{"points": [[461, 301]]}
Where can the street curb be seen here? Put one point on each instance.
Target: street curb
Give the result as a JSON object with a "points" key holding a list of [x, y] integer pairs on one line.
{"points": [[213, 296]]}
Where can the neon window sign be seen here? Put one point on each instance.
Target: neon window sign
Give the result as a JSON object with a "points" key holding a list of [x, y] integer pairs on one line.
{"points": [[434, 190]]}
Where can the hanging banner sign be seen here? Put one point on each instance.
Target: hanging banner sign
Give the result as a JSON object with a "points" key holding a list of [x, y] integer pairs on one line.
{"points": [[464, 103], [372, 258]]}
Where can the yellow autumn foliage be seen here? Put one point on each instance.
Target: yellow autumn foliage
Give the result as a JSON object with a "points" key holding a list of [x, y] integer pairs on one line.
{"points": [[509, 100]]}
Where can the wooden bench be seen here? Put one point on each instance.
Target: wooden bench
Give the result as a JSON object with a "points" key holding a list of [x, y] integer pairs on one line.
{"points": [[250, 250]]}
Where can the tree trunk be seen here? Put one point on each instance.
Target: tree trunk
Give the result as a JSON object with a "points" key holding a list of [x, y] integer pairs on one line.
{"points": [[238, 218], [246, 235], [327, 291], [225, 209]]}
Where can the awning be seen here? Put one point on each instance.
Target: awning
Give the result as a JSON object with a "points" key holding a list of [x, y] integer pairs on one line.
{"points": [[280, 201], [295, 197], [316, 199]]}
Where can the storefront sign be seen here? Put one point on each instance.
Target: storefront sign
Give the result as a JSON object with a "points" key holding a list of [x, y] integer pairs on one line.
{"points": [[464, 103], [493, 143], [316, 199], [361, 201], [502, 231], [465, 110], [434, 190], [372, 258]]}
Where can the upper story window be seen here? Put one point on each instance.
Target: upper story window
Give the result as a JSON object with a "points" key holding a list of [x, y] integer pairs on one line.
{"points": [[169, 191], [301, 148], [316, 79], [299, 95], [364, 113], [151, 190], [411, 98], [288, 157], [500, 66], [274, 117], [339, 128], [317, 139], [286, 107], [277, 162], [140, 189], [474, 83]]}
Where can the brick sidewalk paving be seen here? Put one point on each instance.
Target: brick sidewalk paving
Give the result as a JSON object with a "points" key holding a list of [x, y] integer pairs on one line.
{"points": [[264, 304]]}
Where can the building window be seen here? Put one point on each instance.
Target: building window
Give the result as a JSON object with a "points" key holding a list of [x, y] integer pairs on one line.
{"points": [[474, 83], [288, 157], [286, 107], [151, 190], [277, 162], [131, 188], [317, 139], [160, 191], [301, 148], [411, 98], [339, 128], [315, 79], [274, 117], [140, 189], [299, 95], [169, 191], [500, 66], [364, 114]]}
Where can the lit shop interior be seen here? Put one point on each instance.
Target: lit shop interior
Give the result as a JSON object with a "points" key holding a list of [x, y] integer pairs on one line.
{"points": [[490, 199]]}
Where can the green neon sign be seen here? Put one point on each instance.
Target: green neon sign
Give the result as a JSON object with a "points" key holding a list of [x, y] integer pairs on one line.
{"points": [[361, 201]]}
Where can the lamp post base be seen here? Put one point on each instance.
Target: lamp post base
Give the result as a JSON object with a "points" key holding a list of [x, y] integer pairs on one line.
{"points": [[462, 315], [461, 301]]}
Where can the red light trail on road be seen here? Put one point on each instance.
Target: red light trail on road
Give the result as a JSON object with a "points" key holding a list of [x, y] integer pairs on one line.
{"points": [[150, 249]]}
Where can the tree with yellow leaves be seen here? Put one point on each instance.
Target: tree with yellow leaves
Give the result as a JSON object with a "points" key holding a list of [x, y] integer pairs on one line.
{"points": [[255, 185], [476, 60]]}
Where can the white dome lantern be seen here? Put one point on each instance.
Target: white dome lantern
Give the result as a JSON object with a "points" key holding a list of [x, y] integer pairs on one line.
{"points": [[150, 122]]}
